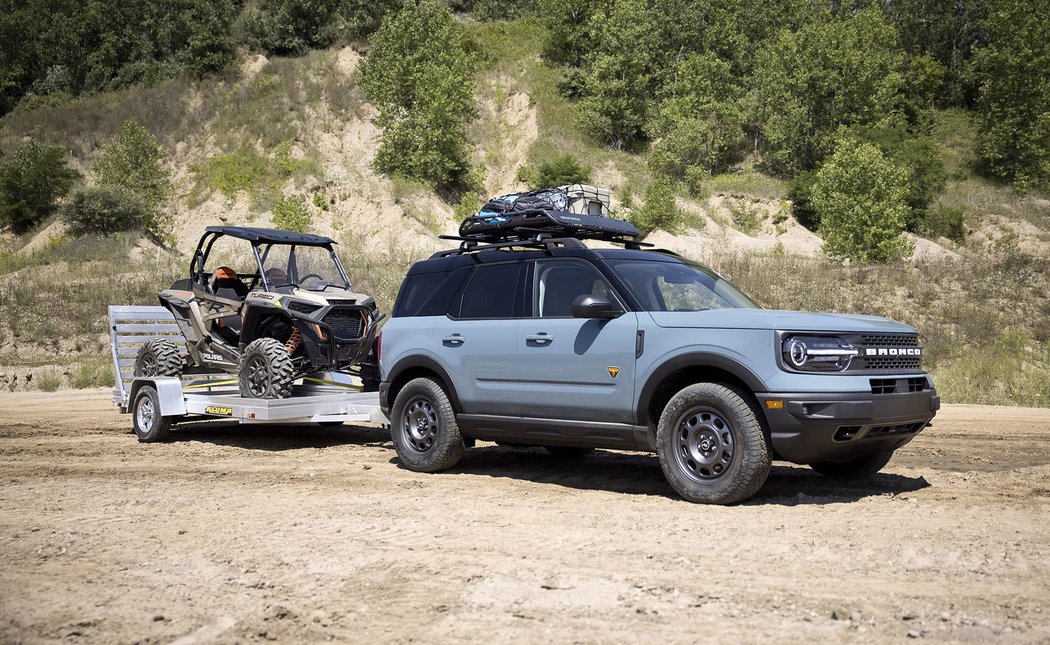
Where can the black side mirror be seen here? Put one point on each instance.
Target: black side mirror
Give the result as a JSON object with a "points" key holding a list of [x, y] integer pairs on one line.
{"points": [[595, 307]]}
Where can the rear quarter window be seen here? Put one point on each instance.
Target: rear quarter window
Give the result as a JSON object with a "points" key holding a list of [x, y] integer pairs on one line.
{"points": [[429, 294]]}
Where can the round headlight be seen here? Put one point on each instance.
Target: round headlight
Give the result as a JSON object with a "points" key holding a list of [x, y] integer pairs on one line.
{"points": [[797, 353]]}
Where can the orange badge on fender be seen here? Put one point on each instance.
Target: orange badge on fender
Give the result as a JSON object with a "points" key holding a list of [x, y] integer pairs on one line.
{"points": [[613, 371]]}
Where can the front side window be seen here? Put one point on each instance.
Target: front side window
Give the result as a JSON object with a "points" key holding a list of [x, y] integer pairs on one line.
{"points": [[491, 292], [678, 286], [558, 283]]}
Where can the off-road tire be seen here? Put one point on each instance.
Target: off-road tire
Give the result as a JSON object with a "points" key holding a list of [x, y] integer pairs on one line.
{"points": [[149, 425], [266, 370], [711, 444], [424, 429], [158, 357], [854, 469], [568, 452]]}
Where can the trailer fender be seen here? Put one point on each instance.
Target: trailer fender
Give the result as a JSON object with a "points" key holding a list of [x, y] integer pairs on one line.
{"points": [[169, 391]]}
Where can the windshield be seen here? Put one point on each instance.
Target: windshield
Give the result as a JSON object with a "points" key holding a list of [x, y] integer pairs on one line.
{"points": [[308, 267], [679, 286]]}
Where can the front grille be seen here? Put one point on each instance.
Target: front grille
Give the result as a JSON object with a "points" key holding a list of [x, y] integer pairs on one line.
{"points": [[883, 385], [917, 384], [886, 363], [903, 428], [893, 385], [346, 324], [890, 340]]}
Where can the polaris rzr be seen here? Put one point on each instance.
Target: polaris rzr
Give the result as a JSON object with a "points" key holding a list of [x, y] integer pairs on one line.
{"points": [[287, 310]]}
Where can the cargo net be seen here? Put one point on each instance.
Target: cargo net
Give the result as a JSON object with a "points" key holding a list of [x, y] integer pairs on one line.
{"points": [[576, 210]]}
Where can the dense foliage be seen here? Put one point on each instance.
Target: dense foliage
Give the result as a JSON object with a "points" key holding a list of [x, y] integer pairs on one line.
{"points": [[102, 210], [132, 163], [32, 180], [420, 78]]}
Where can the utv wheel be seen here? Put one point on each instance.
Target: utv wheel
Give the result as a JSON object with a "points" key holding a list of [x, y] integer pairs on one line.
{"points": [[711, 445], [854, 469], [423, 427], [149, 426], [158, 357], [568, 452], [266, 370]]}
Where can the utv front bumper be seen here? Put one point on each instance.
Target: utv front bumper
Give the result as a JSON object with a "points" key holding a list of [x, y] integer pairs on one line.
{"points": [[338, 338], [811, 428]]}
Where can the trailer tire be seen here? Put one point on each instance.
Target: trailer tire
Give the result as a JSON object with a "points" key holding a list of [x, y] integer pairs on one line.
{"points": [[158, 357], [146, 419], [266, 370]]}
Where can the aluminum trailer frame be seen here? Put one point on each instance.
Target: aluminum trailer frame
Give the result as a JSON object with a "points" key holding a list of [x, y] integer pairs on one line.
{"points": [[321, 398]]}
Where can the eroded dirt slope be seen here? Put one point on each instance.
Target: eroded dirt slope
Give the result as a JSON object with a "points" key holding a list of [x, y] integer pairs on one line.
{"points": [[232, 534]]}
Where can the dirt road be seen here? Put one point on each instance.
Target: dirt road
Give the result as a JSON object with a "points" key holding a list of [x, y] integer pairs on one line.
{"points": [[310, 534]]}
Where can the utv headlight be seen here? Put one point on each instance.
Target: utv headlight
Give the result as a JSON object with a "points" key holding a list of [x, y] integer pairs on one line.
{"points": [[817, 353]]}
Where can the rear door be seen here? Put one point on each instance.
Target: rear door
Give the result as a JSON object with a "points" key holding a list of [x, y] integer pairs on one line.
{"points": [[476, 340], [574, 368]]}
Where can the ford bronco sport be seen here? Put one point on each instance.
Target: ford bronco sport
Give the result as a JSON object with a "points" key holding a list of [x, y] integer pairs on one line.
{"points": [[525, 336]]}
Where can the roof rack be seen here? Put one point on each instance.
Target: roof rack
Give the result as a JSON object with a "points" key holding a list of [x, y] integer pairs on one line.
{"points": [[526, 225]]}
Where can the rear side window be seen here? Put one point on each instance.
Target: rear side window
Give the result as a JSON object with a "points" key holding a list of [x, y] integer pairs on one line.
{"points": [[429, 294], [491, 292]]}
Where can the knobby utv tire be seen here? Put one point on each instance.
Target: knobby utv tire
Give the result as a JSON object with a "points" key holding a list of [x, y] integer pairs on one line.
{"points": [[854, 469], [146, 420], [711, 444], [424, 429], [266, 370], [158, 357]]}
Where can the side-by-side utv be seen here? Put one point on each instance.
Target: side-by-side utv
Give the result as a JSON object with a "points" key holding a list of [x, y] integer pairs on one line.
{"points": [[288, 312]]}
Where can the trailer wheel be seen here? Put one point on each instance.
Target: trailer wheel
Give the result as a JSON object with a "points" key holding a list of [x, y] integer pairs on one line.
{"points": [[266, 370], [146, 417], [158, 357]]}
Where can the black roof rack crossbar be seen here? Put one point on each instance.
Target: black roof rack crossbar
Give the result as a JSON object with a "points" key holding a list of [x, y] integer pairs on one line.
{"points": [[542, 241]]}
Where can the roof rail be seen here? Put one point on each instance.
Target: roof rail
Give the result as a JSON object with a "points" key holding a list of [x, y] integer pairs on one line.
{"points": [[543, 241]]}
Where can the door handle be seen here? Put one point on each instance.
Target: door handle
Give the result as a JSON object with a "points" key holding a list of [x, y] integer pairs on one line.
{"points": [[539, 338], [455, 340]]}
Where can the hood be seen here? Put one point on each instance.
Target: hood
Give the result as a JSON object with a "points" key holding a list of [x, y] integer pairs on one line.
{"points": [[331, 296], [778, 320]]}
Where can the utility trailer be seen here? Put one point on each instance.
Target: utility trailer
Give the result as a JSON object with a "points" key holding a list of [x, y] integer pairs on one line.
{"points": [[157, 402]]}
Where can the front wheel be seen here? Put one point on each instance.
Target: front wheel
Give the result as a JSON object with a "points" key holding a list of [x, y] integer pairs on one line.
{"points": [[266, 370], [424, 429], [854, 469], [711, 445]]}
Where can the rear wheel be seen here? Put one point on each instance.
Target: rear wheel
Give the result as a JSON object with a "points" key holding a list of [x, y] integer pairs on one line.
{"points": [[711, 445], [158, 357], [149, 425], [854, 469], [266, 370], [424, 429]]}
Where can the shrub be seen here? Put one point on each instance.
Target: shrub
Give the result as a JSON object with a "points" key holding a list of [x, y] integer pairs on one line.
{"points": [[32, 181], [132, 162], [943, 221], [659, 209], [291, 213], [93, 370], [103, 210], [556, 172], [801, 205], [860, 199]]}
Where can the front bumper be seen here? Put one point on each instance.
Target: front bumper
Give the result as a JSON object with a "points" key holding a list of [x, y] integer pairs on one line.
{"points": [[811, 428]]}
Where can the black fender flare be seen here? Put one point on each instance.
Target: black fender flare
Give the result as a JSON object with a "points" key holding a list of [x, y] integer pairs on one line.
{"points": [[419, 362], [693, 360]]}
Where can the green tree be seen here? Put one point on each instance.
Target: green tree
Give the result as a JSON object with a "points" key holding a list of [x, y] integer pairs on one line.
{"points": [[566, 37], [842, 70], [132, 162], [699, 121], [423, 88], [291, 213], [859, 197], [619, 74], [559, 171], [1014, 105], [102, 210], [32, 180]]}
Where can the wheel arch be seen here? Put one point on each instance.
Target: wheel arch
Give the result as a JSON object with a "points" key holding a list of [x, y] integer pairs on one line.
{"points": [[687, 369], [419, 367]]}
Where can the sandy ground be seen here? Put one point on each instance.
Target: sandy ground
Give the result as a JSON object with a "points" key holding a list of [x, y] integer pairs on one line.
{"points": [[231, 534]]}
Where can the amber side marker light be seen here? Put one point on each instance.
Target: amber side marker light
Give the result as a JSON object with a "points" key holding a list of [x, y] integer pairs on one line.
{"points": [[774, 404]]}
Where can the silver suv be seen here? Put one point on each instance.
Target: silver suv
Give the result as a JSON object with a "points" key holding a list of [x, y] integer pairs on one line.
{"points": [[546, 342]]}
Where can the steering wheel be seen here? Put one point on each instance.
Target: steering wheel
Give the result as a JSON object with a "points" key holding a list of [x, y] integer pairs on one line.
{"points": [[306, 277]]}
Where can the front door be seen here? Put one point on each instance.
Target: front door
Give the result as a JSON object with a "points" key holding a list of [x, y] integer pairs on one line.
{"points": [[574, 368]]}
